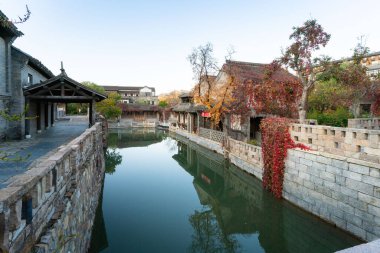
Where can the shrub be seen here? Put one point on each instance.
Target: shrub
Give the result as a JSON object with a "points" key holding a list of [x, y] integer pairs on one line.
{"points": [[337, 118], [254, 142]]}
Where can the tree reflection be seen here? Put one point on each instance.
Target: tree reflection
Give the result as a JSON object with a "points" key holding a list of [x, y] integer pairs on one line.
{"points": [[208, 237], [113, 159]]}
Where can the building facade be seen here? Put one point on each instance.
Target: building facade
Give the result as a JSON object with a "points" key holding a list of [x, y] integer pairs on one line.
{"points": [[135, 94], [29, 91]]}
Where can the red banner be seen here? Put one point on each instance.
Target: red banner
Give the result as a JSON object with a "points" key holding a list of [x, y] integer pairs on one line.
{"points": [[205, 114]]}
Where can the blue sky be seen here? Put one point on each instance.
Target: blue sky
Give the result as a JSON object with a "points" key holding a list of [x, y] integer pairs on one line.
{"points": [[146, 42]]}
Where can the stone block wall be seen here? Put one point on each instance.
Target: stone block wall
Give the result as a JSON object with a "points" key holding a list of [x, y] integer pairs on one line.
{"points": [[55, 200], [361, 144], [373, 123], [341, 190]]}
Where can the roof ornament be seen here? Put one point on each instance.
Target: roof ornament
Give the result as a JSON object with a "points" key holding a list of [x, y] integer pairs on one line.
{"points": [[63, 72]]}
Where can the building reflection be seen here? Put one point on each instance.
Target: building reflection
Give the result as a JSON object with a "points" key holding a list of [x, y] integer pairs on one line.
{"points": [[99, 239], [234, 203], [134, 137]]}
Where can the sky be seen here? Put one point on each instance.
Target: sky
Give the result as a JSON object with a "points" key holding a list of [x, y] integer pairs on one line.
{"points": [[146, 42]]}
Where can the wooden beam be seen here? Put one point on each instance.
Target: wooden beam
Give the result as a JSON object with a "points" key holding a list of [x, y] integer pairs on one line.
{"points": [[70, 98]]}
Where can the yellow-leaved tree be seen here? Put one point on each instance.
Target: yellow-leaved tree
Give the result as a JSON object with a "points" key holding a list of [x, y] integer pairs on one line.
{"points": [[215, 85]]}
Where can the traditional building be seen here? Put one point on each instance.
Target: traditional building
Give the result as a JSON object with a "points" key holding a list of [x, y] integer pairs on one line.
{"points": [[139, 105], [30, 91], [187, 114], [135, 94], [372, 62], [242, 72]]}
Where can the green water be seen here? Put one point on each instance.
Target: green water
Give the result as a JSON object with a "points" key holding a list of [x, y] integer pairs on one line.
{"points": [[165, 195]]}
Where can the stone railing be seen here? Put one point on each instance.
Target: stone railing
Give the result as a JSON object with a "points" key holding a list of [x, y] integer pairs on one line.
{"points": [[372, 123], [213, 135], [245, 151], [34, 201], [361, 144]]}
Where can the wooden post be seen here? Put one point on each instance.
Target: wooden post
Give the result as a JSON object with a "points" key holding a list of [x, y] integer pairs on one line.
{"points": [[90, 116], [46, 113], [27, 121], [38, 118], [52, 114]]}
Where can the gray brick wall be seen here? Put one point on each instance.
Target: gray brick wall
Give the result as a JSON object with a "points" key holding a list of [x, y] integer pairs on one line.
{"points": [[341, 190], [3, 68]]}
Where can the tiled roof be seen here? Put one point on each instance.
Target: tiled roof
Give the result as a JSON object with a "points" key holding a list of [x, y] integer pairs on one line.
{"points": [[139, 108], [7, 26], [64, 78], [244, 71], [188, 107], [365, 56], [33, 62], [126, 88], [186, 95]]}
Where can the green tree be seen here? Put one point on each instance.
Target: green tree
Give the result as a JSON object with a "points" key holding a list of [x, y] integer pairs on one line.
{"points": [[113, 159], [5, 156], [162, 103], [94, 86], [109, 107]]}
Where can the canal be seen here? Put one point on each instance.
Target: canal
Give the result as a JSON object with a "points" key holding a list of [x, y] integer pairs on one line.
{"points": [[164, 194]]}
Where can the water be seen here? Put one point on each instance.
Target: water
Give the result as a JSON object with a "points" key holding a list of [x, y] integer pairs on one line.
{"points": [[165, 195]]}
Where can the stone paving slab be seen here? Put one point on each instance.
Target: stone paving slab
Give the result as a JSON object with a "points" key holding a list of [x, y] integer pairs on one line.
{"points": [[31, 150]]}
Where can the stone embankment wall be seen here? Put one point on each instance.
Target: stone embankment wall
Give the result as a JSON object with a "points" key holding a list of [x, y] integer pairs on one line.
{"points": [[51, 207], [340, 189], [372, 123]]}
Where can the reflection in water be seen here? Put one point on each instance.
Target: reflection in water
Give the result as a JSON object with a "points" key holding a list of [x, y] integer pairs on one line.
{"points": [[99, 240], [208, 236], [113, 159], [152, 205], [134, 137], [234, 203]]}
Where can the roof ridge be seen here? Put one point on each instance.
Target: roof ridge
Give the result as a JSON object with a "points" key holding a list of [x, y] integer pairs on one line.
{"points": [[246, 63], [36, 62]]}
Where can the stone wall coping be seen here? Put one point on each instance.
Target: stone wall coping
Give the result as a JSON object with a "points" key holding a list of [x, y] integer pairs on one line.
{"points": [[358, 130], [376, 118], [244, 143], [7, 194], [21, 184], [338, 157]]}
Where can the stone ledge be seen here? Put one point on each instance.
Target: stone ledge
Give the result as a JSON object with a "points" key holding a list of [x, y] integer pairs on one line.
{"points": [[338, 157]]}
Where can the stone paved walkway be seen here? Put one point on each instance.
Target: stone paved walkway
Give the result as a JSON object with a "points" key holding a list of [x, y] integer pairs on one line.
{"points": [[30, 150]]}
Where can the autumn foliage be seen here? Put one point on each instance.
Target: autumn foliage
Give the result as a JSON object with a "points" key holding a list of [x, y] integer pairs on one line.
{"points": [[276, 141], [276, 93]]}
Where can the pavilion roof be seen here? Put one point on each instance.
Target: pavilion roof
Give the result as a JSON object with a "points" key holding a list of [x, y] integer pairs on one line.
{"points": [[62, 88]]}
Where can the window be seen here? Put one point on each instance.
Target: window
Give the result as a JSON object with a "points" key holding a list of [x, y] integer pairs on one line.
{"points": [[30, 79], [235, 122]]}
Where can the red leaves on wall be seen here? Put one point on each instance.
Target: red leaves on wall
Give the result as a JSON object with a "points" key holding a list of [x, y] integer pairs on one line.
{"points": [[276, 141], [276, 92]]}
